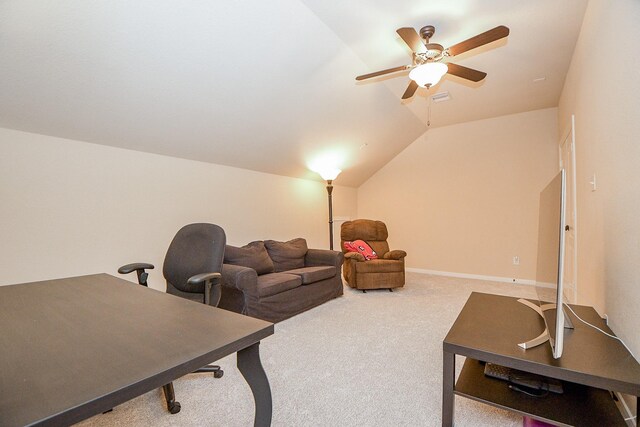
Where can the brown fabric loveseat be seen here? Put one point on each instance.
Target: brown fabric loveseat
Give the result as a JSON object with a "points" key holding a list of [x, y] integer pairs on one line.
{"points": [[386, 272], [274, 280]]}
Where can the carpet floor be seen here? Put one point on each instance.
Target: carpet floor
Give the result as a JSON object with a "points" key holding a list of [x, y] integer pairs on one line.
{"points": [[371, 359]]}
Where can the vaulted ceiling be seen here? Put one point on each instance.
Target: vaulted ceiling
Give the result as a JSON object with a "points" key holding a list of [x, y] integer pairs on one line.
{"points": [[268, 85]]}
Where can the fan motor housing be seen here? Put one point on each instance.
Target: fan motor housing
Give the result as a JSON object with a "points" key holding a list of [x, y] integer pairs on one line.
{"points": [[434, 53], [434, 50]]}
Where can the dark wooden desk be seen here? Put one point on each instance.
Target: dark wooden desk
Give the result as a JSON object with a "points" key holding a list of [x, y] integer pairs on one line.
{"points": [[488, 329], [72, 348]]}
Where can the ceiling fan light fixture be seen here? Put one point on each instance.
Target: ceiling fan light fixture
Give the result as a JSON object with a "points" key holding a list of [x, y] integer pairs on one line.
{"points": [[428, 74]]}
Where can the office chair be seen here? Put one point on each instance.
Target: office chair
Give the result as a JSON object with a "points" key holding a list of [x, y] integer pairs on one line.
{"points": [[191, 269]]}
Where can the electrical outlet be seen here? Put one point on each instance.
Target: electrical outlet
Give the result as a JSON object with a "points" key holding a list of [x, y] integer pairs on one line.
{"points": [[516, 260]]}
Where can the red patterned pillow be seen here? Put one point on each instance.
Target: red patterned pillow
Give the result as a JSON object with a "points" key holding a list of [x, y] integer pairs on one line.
{"points": [[361, 247]]}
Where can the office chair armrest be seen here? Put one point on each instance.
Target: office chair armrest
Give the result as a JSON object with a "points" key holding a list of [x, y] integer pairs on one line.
{"points": [[354, 256], [126, 269], [396, 254], [139, 268], [209, 280], [204, 278]]}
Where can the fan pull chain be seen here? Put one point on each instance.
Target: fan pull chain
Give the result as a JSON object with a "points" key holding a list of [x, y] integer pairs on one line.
{"points": [[429, 113]]}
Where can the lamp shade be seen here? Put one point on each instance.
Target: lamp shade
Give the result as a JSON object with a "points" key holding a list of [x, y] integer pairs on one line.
{"points": [[428, 74], [329, 174]]}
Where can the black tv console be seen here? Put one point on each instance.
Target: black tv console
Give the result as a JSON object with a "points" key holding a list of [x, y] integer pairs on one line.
{"points": [[488, 329]]}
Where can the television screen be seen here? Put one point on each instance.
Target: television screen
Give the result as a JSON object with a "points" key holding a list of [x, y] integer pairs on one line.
{"points": [[550, 261]]}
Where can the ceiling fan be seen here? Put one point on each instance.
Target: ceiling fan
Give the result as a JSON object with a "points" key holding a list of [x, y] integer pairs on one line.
{"points": [[427, 68]]}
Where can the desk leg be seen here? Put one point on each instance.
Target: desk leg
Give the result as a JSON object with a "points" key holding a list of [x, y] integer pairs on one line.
{"points": [[448, 380], [252, 371]]}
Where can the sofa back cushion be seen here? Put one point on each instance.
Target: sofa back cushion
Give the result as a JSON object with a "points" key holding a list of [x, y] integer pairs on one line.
{"points": [[253, 255], [287, 255]]}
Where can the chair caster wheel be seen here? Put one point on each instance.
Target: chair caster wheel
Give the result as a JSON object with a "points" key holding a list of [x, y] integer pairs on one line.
{"points": [[174, 408], [218, 374]]}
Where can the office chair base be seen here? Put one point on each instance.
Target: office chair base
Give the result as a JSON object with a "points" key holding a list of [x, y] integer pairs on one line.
{"points": [[170, 396], [217, 371], [174, 408]]}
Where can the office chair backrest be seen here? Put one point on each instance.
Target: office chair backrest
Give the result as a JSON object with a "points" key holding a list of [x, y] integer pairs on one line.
{"points": [[195, 249]]}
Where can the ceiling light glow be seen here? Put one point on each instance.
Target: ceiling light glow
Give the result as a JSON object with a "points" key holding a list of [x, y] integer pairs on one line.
{"points": [[427, 75]]}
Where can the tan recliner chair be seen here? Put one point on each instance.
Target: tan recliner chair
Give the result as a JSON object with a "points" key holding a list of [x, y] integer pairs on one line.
{"points": [[386, 272]]}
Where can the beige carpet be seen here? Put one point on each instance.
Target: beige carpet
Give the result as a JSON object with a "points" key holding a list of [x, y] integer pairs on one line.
{"points": [[371, 359]]}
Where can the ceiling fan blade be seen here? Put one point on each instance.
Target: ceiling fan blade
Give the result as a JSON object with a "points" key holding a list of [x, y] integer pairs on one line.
{"points": [[412, 39], [481, 39], [411, 89], [383, 72], [465, 73]]}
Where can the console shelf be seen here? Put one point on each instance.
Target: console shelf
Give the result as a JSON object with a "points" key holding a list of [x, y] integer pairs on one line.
{"points": [[489, 328], [579, 405]]}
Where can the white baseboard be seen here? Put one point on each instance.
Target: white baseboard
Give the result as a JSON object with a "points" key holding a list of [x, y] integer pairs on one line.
{"points": [[473, 276]]}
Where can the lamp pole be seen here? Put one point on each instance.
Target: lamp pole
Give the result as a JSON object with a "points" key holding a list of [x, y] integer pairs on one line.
{"points": [[329, 173], [329, 191]]}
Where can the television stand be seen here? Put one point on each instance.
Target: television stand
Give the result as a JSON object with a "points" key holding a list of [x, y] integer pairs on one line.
{"points": [[488, 329], [544, 336]]}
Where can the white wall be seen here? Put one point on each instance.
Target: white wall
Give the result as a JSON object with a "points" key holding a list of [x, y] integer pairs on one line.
{"points": [[464, 198], [604, 94], [70, 208]]}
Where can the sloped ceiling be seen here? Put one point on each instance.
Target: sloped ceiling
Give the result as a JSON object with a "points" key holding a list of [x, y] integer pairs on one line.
{"points": [[267, 85]]}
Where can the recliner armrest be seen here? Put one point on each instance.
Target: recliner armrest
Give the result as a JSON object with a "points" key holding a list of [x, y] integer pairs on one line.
{"points": [[318, 257], [396, 254], [354, 256], [244, 279]]}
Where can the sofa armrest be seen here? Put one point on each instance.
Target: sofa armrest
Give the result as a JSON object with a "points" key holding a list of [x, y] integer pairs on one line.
{"points": [[354, 256], [397, 254], [316, 257], [244, 279]]}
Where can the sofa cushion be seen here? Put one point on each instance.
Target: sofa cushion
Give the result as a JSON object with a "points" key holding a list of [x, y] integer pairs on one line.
{"points": [[314, 274], [275, 283], [287, 255], [380, 266], [253, 255]]}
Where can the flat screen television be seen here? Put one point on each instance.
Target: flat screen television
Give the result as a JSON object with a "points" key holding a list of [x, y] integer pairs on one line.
{"points": [[550, 265]]}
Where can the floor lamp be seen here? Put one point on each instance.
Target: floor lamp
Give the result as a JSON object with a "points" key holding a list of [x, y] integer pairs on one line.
{"points": [[329, 175]]}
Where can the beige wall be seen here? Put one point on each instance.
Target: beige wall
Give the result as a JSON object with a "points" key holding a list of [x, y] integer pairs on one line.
{"points": [[464, 198], [604, 94], [71, 208]]}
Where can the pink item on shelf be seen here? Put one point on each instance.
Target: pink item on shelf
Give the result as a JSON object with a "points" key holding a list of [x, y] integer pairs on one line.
{"points": [[530, 422]]}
